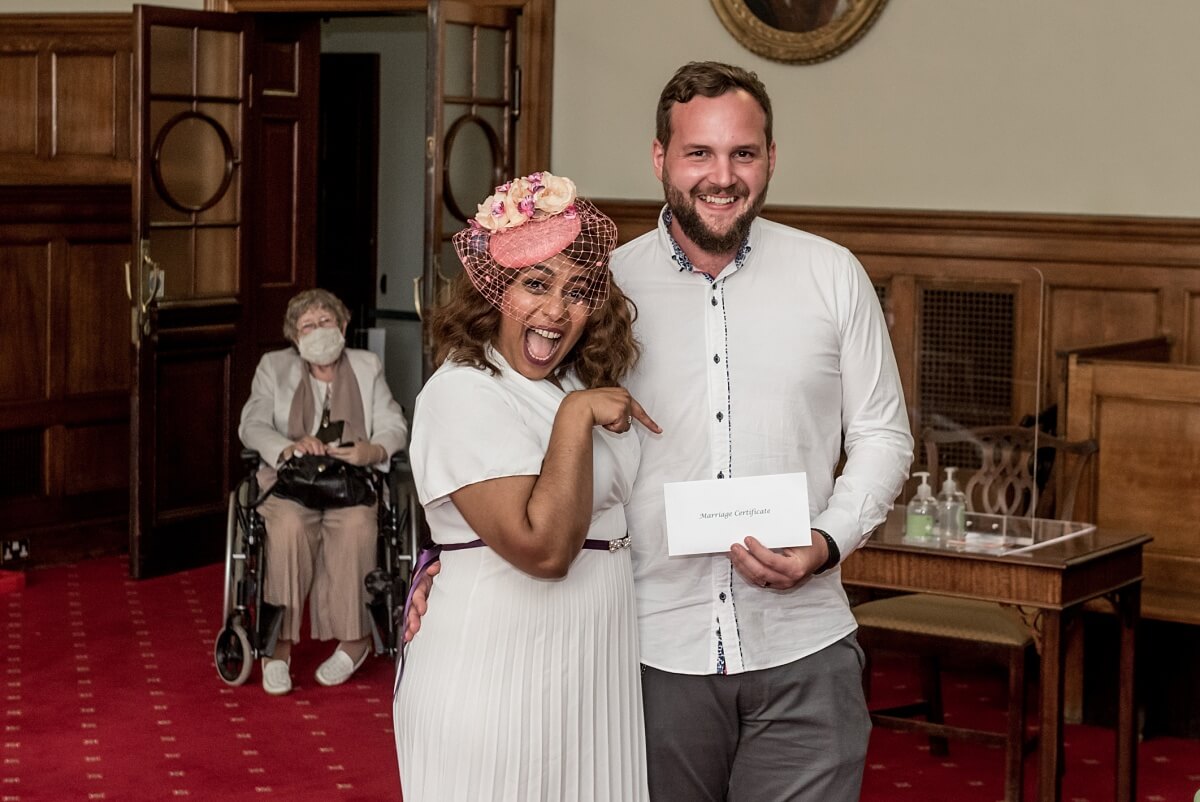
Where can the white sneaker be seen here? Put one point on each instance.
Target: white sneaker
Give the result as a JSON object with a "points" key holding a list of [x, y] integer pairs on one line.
{"points": [[277, 677], [339, 667]]}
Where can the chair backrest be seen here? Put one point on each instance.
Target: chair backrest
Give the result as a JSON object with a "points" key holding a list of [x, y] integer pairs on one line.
{"points": [[1007, 479]]}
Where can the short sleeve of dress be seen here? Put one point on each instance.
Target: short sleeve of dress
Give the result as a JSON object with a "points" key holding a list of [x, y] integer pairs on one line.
{"points": [[468, 428]]}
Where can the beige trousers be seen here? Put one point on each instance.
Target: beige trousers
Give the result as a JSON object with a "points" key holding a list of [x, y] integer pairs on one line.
{"points": [[321, 556]]}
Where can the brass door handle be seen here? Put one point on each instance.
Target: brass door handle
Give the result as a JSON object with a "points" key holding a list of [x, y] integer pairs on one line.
{"points": [[149, 288]]}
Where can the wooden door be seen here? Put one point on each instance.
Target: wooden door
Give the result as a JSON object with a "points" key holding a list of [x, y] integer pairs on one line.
{"points": [[187, 281], [471, 114]]}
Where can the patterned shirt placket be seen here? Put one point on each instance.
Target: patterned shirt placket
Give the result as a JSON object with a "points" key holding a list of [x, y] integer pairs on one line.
{"points": [[685, 264]]}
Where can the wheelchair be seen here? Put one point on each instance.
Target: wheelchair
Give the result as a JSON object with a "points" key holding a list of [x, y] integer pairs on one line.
{"points": [[251, 624]]}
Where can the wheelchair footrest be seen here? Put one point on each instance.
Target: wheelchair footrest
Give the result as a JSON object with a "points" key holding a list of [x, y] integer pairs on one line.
{"points": [[385, 628], [270, 622]]}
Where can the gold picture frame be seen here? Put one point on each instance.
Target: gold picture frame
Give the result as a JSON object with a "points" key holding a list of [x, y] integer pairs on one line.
{"points": [[797, 31]]}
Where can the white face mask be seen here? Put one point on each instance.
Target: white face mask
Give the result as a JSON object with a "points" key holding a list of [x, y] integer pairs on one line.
{"points": [[321, 346]]}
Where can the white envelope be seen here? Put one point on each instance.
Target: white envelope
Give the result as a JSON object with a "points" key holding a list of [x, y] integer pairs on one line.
{"points": [[711, 515]]}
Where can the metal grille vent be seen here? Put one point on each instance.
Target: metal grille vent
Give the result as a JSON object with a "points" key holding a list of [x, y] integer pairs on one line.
{"points": [[20, 463], [881, 292], [966, 363]]}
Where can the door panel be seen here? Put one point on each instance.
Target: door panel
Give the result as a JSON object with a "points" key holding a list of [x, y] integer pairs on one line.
{"points": [[283, 241], [193, 384], [24, 272], [470, 126], [186, 281]]}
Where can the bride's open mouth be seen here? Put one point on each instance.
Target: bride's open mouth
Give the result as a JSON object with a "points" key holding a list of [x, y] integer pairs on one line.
{"points": [[541, 345]]}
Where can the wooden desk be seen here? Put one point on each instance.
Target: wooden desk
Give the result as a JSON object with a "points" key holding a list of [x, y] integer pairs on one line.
{"points": [[1049, 585]]}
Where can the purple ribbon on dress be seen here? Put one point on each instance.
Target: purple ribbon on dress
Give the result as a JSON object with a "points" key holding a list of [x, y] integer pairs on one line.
{"points": [[425, 558]]}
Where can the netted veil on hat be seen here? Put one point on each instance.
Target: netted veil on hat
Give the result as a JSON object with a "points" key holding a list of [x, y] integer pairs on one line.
{"points": [[527, 222]]}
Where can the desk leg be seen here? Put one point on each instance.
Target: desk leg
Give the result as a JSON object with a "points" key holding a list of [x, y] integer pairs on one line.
{"points": [[1073, 673], [1051, 713], [1129, 602]]}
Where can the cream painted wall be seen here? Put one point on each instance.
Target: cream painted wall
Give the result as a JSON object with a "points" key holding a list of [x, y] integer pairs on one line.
{"points": [[1073, 106]]}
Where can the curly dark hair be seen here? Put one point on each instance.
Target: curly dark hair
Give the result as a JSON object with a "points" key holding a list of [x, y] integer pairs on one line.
{"points": [[465, 324], [708, 79]]}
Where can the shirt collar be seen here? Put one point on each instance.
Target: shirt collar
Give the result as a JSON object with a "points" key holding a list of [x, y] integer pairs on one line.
{"points": [[680, 258]]}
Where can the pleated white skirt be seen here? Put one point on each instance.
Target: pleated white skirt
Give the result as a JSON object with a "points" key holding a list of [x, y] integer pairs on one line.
{"points": [[522, 689]]}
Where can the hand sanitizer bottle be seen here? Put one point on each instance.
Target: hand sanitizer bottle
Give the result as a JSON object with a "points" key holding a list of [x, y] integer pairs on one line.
{"points": [[952, 509], [922, 510]]}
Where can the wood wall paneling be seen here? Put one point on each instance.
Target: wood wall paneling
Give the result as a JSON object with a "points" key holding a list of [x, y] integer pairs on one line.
{"points": [[19, 89], [64, 376], [25, 270], [1090, 316], [66, 86], [86, 90], [97, 340], [1191, 343], [97, 458]]}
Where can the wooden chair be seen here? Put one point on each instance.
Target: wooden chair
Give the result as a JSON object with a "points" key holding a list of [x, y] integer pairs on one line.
{"points": [[937, 627]]}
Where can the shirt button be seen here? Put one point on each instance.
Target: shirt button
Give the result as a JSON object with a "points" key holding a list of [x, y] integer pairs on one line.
{"points": [[720, 474], [722, 596], [717, 358], [720, 416], [714, 300]]}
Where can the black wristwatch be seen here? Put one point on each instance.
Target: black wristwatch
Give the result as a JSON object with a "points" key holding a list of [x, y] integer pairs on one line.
{"points": [[835, 554]]}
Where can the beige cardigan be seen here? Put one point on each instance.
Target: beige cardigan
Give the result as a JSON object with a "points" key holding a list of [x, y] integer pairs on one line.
{"points": [[265, 416]]}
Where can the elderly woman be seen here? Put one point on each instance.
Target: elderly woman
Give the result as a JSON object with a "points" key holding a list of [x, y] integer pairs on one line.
{"points": [[523, 681], [319, 555]]}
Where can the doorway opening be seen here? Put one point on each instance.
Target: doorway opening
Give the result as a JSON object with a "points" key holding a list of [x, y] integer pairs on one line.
{"points": [[370, 184]]}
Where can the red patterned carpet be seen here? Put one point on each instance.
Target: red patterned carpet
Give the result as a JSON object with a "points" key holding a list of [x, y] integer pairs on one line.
{"points": [[110, 694], [900, 768]]}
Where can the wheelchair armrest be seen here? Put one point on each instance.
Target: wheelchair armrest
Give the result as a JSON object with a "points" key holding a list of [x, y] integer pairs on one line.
{"points": [[399, 460], [250, 460]]}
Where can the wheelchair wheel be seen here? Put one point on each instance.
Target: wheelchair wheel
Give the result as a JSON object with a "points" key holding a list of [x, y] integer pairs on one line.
{"points": [[230, 542], [233, 656]]}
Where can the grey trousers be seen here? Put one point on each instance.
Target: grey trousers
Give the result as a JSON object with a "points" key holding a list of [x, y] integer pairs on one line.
{"points": [[322, 557], [794, 732]]}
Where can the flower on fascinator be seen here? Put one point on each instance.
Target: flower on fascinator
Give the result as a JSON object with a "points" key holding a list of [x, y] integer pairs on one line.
{"points": [[499, 212], [557, 194], [533, 197]]}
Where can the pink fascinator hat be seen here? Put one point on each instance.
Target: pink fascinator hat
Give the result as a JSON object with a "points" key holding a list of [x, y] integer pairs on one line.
{"points": [[529, 221]]}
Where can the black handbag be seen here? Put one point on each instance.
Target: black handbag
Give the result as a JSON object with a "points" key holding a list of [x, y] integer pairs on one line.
{"points": [[322, 482]]}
